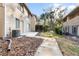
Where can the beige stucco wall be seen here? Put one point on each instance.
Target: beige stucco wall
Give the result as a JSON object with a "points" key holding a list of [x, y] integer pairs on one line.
{"points": [[8, 19], [78, 31], [1, 20], [73, 21], [70, 29], [26, 21], [12, 12], [33, 23]]}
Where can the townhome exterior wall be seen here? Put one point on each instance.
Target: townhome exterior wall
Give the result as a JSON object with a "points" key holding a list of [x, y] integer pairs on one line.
{"points": [[33, 23], [26, 22], [2, 9], [8, 15], [16, 13], [73, 24], [70, 29], [78, 31]]}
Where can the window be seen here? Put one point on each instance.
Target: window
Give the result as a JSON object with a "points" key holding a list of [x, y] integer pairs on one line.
{"points": [[17, 23], [74, 30]]}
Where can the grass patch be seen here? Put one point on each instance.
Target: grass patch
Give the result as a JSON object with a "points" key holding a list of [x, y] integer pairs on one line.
{"points": [[51, 35], [75, 49], [68, 47]]}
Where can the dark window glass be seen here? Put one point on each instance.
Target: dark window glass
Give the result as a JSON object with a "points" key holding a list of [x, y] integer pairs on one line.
{"points": [[17, 23], [74, 30]]}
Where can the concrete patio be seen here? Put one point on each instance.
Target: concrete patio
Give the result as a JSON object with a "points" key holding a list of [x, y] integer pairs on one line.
{"points": [[30, 34]]}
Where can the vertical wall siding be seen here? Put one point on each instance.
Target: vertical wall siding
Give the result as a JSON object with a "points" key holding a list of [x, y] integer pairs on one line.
{"points": [[78, 31], [74, 22], [12, 12], [2, 9], [70, 29], [8, 20]]}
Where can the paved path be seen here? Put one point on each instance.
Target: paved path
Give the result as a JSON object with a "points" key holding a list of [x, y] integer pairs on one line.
{"points": [[49, 47], [30, 34]]}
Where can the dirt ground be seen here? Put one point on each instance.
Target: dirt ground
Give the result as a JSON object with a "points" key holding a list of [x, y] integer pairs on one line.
{"points": [[68, 46], [24, 46]]}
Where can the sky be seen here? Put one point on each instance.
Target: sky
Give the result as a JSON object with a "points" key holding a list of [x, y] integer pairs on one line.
{"points": [[38, 8]]}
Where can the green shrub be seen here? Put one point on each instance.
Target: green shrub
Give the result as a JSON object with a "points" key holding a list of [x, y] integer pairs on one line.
{"points": [[46, 28], [58, 30]]}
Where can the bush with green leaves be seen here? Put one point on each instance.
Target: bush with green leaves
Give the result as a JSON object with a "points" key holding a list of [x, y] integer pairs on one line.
{"points": [[46, 28], [58, 30]]}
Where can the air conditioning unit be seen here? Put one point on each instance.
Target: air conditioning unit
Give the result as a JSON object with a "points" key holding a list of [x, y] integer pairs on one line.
{"points": [[15, 33]]}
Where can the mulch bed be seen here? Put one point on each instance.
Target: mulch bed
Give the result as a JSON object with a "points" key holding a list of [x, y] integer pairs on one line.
{"points": [[24, 46]]}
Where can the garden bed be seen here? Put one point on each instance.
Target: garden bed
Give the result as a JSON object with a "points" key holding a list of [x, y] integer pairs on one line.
{"points": [[24, 46]]}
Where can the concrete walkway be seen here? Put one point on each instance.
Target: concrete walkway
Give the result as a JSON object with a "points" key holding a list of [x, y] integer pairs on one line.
{"points": [[30, 34], [49, 47]]}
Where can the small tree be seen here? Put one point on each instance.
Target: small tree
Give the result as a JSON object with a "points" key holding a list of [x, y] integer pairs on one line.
{"points": [[54, 22], [59, 21], [44, 17]]}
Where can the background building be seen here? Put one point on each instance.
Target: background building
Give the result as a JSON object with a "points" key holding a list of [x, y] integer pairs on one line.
{"points": [[33, 22], [71, 24]]}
